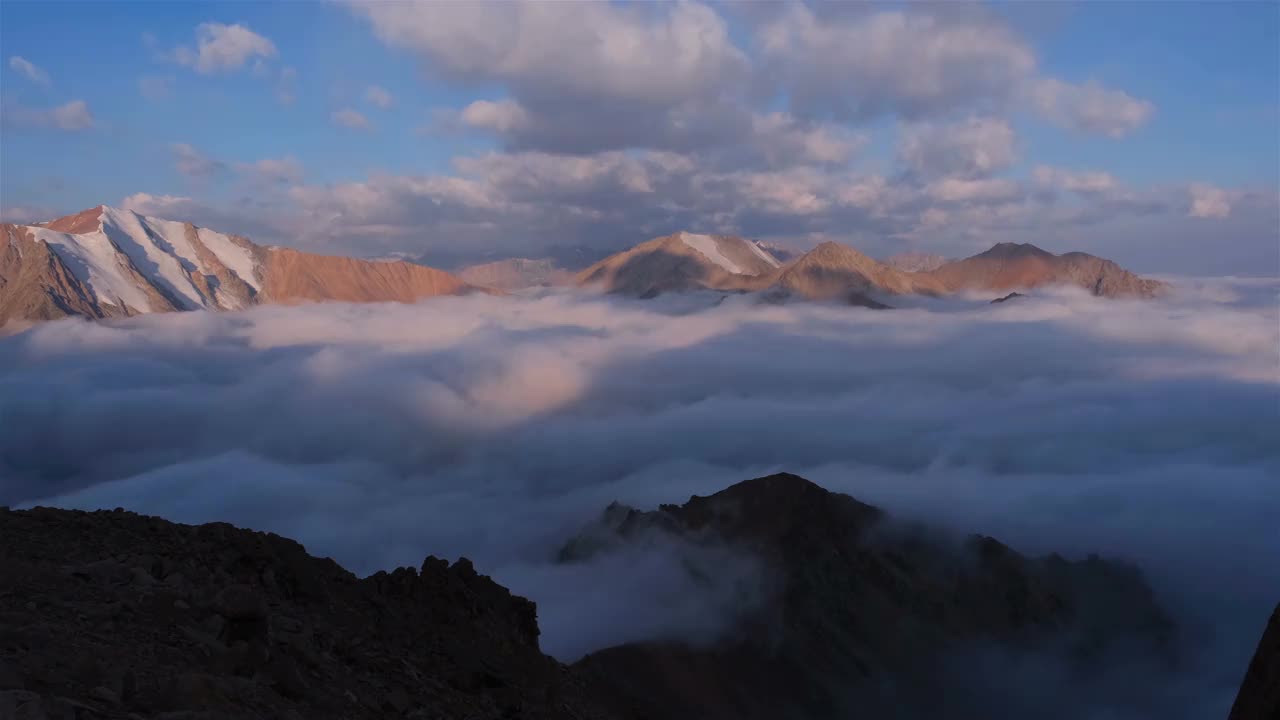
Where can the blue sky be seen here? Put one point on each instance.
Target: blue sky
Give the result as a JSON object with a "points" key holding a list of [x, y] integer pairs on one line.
{"points": [[1170, 101]]}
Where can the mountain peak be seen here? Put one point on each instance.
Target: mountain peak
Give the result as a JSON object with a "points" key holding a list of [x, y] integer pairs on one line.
{"points": [[1015, 250], [85, 221]]}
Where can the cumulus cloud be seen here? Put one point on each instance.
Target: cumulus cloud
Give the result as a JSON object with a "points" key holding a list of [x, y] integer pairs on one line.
{"points": [[71, 117], [911, 64], [29, 70], [191, 162], [1090, 107], [582, 77], [379, 97], [223, 48], [1208, 201], [503, 116], [975, 148], [593, 49], [351, 118]]}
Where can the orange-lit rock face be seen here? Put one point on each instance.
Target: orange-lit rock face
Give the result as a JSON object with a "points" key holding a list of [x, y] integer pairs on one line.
{"points": [[1007, 266], [291, 276], [85, 221]]}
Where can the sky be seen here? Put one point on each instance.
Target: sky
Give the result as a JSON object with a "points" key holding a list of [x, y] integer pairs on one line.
{"points": [[1144, 132]]}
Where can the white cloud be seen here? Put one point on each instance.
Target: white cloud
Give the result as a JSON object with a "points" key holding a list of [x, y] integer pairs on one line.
{"points": [[351, 118], [983, 189], [193, 163], [1090, 107], [504, 116], [1208, 201], [581, 77], [913, 64], [975, 148], [29, 70], [222, 48], [379, 97], [1089, 182], [72, 116], [589, 49], [781, 140]]}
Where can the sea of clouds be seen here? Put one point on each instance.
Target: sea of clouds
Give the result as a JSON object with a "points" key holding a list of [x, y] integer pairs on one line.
{"points": [[496, 428]]}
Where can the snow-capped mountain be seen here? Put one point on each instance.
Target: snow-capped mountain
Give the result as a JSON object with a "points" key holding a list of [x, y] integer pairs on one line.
{"points": [[683, 261], [108, 262]]}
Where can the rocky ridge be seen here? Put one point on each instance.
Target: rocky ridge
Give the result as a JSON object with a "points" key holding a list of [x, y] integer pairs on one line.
{"points": [[114, 615]]}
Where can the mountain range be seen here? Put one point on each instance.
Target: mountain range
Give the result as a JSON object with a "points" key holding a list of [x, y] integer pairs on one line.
{"points": [[106, 262], [835, 272]]}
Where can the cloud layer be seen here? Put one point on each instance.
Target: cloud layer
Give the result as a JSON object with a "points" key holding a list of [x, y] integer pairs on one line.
{"points": [[496, 427]]}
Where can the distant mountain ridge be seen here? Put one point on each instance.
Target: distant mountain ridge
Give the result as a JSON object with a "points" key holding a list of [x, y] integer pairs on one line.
{"points": [[517, 273], [106, 262], [835, 272], [916, 261]]}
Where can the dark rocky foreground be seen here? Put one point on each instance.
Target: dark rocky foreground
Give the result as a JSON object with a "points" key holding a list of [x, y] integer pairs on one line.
{"points": [[116, 615], [1259, 697]]}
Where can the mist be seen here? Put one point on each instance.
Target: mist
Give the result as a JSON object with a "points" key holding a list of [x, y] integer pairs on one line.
{"points": [[496, 428]]}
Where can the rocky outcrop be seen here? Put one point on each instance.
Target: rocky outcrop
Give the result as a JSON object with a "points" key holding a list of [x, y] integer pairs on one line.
{"points": [[1259, 697], [114, 615], [106, 614], [1009, 266], [867, 617], [1007, 298]]}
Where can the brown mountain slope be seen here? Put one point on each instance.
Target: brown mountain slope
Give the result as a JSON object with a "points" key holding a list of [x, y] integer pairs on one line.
{"points": [[34, 283], [1009, 266], [675, 263], [868, 618], [832, 271], [1259, 697], [291, 276]]}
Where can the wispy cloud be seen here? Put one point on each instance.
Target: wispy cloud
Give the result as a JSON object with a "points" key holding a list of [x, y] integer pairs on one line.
{"points": [[29, 70]]}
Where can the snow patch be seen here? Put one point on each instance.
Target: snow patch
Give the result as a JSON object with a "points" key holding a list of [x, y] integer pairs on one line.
{"points": [[763, 255], [710, 249], [150, 245], [96, 262], [238, 260]]}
